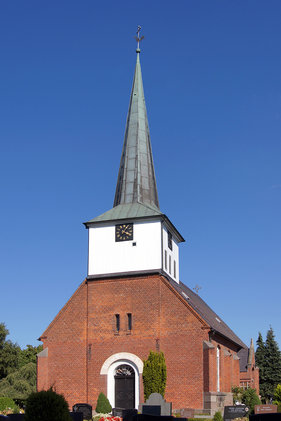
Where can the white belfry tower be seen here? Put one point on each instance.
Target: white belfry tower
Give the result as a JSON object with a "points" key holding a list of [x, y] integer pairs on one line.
{"points": [[134, 236]]}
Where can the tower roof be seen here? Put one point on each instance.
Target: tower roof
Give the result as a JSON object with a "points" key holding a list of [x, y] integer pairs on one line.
{"points": [[136, 181]]}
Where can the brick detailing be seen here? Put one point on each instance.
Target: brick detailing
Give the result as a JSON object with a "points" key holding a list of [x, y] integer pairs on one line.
{"points": [[83, 336]]}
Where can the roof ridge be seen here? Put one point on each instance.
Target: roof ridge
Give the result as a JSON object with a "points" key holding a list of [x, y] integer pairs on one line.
{"points": [[212, 318]]}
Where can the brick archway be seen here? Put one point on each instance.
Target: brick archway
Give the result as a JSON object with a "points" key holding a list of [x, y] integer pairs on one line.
{"points": [[108, 369]]}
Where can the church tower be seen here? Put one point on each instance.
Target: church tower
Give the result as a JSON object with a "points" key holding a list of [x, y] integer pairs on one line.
{"points": [[134, 236], [133, 301]]}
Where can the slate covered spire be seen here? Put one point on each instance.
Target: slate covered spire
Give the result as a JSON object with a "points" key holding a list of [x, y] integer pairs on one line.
{"points": [[136, 181]]}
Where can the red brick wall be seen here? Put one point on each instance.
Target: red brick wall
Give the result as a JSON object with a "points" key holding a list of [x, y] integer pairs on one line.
{"points": [[42, 373], [66, 342], [83, 336], [229, 365], [250, 377]]}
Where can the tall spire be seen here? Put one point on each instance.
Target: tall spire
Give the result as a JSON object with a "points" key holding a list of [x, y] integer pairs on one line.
{"points": [[136, 181]]}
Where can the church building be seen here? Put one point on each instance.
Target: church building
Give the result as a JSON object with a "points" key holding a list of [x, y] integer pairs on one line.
{"points": [[132, 301]]}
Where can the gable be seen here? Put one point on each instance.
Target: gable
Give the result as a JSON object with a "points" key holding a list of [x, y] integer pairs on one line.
{"points": [[71, 318]]}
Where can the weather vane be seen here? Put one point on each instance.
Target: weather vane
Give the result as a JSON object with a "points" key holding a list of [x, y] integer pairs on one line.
{"points": [[197, 288], [138, 38]]}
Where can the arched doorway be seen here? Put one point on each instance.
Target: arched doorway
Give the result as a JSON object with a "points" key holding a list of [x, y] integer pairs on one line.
{"points": [[108, 369], [124, 386]]}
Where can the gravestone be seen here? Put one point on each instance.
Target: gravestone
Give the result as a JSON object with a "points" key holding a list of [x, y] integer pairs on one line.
{"points": [[76, 416], [16, 417], [117, 412], [271, 416], [265, 409], [156, 405], [151, 409], [126, 414], [85, 408], [237, 411]]}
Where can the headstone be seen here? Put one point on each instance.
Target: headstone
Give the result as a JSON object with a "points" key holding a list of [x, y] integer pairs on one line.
{"points": [[128, 414], [125, 414], [76, 416], [151, 409], [272, 416], [151, 406], [16, 417], [117, 412], [85, 408], [237, 411], [144, 417], [265, 409]]}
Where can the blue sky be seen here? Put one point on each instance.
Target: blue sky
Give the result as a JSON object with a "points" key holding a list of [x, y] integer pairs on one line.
{"points": [[211, 72]]}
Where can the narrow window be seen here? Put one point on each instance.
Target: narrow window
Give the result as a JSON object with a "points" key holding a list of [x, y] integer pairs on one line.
{"points": [[218, 369], [175, 269], [170, 242], [117, 322], [129, 321], [170, 264], [165, 259]]}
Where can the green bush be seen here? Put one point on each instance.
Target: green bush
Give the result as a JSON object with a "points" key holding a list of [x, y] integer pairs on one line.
{"points": [[218, 416], [154, 374], [277, 395], [19, 384], [103, 405], [250, 399], [6, 403], [46, 405]]}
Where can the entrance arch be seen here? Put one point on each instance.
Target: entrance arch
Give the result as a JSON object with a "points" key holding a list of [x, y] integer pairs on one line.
{"points": [[124, 386], [109, 369]]}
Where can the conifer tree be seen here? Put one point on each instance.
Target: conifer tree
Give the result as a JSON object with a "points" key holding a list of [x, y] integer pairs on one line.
{"points": [[272, 365], [154, 374], [260, 362]]}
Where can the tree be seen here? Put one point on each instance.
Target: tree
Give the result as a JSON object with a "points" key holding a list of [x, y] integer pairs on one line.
{"points": [[9, 353], [260, 362], [272, 365], [154, 374], [19, 384], [28, 355], [277, 397]]}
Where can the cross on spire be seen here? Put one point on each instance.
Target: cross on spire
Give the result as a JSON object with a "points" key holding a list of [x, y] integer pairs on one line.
{"points": [[138, 39]]}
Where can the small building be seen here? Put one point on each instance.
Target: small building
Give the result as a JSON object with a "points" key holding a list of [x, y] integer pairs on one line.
{"points": [[133, 301], [249, 373]]}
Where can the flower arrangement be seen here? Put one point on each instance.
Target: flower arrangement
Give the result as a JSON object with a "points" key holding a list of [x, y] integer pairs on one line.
{"points": [[110, 418]]}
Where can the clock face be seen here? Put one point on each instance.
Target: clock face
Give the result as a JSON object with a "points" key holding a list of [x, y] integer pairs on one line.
{"points": [[124, 232]]}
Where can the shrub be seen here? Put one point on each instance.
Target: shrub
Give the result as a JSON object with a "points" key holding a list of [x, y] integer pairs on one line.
{"points": [[103, 405], [237, 394], [6, 403], [250, 399], [45, 406], [19, 384], [154, 374], [218, 416]]}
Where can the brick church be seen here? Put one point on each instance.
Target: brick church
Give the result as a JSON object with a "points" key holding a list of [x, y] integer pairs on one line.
{"points": [[133, 301]]}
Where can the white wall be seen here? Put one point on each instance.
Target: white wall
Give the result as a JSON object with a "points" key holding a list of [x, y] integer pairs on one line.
{"points": [[108, 256], [171, 254]]}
